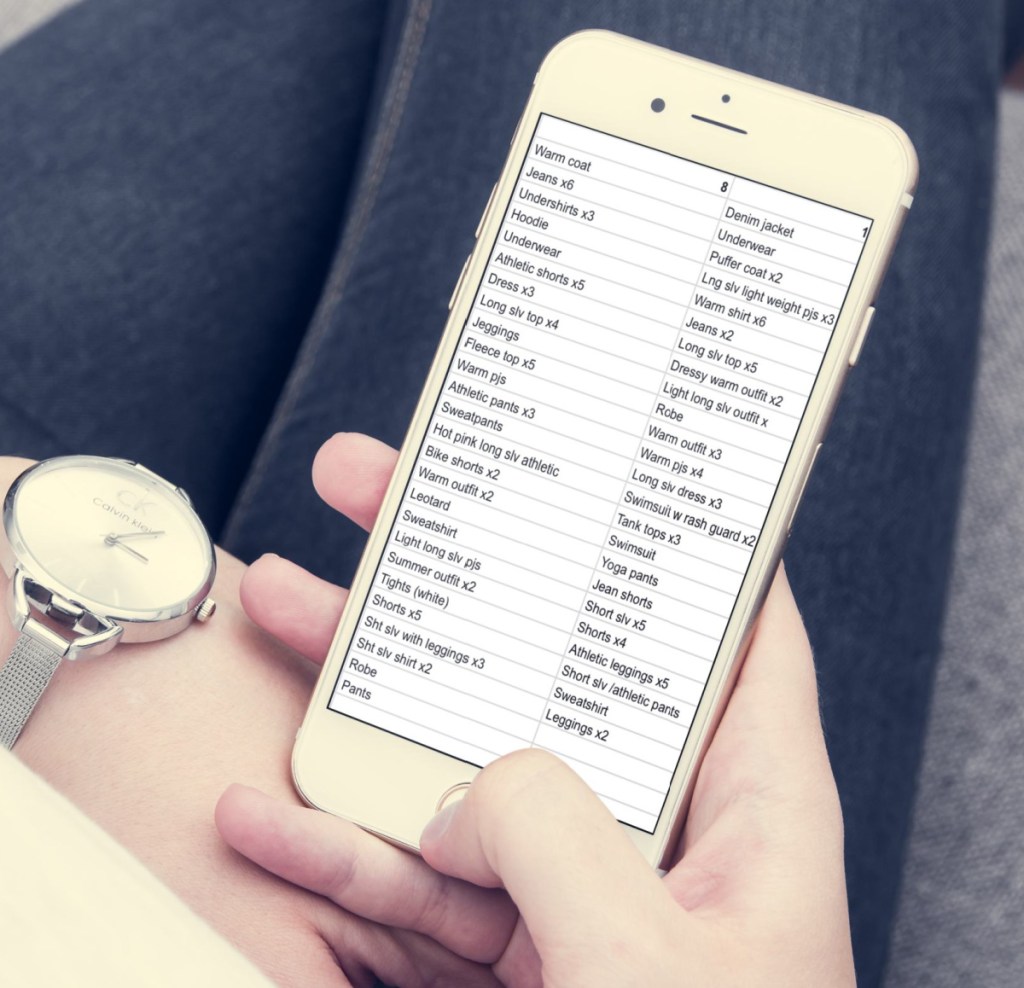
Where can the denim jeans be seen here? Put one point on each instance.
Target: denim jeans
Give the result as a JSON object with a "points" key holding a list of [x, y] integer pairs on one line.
{"points": [[230, 229]]}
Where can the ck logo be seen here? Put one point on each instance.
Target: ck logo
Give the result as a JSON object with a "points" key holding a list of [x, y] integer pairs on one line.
{"points": [[134, 501]]}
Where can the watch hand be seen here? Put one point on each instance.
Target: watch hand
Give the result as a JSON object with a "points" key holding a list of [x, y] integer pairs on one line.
{"points": [[113, 540]]}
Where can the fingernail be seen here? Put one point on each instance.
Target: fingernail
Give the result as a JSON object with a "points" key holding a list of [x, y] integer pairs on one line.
{"points": [[438, 826]]}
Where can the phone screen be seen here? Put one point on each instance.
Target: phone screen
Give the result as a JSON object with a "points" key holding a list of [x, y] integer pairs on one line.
{"points": [[599, 463]]}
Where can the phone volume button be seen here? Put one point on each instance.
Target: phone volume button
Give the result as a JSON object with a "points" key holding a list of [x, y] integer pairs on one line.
{"points": [[458, 284], [803, 487], [515, 133], [865, 325], [487, 210]]}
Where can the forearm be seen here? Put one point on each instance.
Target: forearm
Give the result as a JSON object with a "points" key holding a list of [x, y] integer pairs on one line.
{"points": [[145, 738]]}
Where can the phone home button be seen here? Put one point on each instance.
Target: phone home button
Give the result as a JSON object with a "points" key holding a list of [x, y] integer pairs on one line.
{"points": [[451, 795]]}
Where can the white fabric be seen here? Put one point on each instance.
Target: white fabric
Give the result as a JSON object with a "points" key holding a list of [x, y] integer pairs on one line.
{"points": [[77, 910]]}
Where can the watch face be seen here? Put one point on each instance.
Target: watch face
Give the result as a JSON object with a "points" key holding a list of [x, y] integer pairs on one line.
{"points": [[104, 532]]}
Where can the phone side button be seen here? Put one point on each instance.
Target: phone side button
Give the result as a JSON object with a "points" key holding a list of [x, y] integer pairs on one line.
{"points": [[803, 487], [865, 325], [452, 795], [458, 284], [487, 210], [515, 133]]}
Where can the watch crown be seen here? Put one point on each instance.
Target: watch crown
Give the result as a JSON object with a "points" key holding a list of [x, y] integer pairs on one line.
{"points": [[205, 610]]}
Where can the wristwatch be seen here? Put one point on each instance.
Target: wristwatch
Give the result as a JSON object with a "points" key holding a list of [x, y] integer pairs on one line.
{"points": [[99, 551]]}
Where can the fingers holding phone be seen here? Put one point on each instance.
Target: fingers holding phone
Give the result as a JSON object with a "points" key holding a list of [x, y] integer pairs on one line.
{"points": [[642, 356]]}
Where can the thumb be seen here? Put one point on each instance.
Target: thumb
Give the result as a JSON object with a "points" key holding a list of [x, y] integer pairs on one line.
{"points": [[589, 900]]}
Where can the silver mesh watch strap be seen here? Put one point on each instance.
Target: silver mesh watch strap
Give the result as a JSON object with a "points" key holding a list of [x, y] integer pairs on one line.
{"points": [[23, 678]]}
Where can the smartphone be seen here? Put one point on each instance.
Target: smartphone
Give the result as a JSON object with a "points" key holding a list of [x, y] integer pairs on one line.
{"points": [[671, 280]]}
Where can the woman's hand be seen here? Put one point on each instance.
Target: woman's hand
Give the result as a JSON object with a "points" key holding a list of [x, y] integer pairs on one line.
{"points": [[531, 875]]}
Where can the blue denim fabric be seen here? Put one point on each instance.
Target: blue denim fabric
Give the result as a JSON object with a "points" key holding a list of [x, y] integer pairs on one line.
{"points": [[207, 204], [173, 179]]}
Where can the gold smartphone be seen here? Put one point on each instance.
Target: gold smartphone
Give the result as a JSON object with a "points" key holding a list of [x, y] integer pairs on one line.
{"points": [[671, 280]]}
